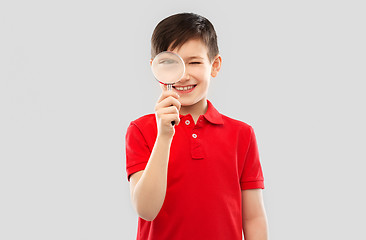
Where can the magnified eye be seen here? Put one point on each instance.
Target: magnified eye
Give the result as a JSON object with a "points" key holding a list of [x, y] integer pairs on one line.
{"points": [[167, 61]]}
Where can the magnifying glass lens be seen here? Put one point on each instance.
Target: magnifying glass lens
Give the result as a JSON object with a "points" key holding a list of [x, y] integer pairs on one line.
{"points": [[168, 67]]}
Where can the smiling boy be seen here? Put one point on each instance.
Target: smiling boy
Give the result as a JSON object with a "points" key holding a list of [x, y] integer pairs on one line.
{"points": [[201, 178]]}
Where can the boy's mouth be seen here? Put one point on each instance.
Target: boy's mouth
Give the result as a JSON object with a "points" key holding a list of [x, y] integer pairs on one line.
{"points": [[185, 89]]}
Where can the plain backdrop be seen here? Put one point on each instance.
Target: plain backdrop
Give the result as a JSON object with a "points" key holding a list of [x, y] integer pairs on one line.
{"points": [[75, 73]]}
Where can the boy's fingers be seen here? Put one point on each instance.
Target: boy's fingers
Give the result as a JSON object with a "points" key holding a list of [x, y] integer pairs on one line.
{"points": [[166, 94], [167, 102], [172, 117], [168, 110]]}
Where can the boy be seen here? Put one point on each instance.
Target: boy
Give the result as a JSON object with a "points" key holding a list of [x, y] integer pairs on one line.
{"points": [[200, 178]]}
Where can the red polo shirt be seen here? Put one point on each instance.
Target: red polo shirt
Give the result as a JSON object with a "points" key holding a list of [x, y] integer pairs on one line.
{"points": [[210, 163]]}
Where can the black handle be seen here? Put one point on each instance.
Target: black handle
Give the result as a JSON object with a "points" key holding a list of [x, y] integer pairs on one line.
{"points": [[173, 122]]}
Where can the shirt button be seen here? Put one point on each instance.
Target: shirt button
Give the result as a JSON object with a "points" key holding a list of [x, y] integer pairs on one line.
{"points": [[194, 135], [187, 122]]}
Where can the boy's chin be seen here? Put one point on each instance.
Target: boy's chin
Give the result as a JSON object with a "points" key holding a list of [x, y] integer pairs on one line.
{"points": [[186, 102]]}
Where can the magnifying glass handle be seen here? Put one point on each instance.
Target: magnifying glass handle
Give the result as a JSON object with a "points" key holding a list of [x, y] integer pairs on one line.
{"points": [[170, 89]]}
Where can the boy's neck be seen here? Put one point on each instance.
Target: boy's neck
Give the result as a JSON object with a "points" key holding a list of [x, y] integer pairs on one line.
{"points": [[195, 110]]}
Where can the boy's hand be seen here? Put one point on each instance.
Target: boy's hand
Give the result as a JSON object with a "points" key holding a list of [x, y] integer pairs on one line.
{"points": [[167, 110]]}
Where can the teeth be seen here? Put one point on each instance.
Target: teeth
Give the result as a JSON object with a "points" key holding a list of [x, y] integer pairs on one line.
{"points": [[183, 88]]}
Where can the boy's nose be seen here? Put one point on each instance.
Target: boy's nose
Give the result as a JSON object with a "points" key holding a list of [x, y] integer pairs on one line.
{"points": [[185, 77]]}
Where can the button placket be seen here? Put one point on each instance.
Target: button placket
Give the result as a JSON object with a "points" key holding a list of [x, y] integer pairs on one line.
{"points": [[196, 146]]}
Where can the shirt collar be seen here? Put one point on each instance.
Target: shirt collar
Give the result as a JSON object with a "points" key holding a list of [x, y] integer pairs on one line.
{"points": [[211, 115]]}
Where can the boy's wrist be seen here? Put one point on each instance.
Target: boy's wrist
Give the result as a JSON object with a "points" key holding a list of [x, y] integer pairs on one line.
{"points": [[164, 138]]}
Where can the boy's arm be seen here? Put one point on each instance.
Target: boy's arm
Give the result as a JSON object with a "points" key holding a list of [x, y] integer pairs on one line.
{"points": [[254, 215], [149, 190]]}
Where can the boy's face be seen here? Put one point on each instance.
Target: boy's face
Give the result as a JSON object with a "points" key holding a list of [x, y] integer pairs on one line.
{"points": [[199, 70]]}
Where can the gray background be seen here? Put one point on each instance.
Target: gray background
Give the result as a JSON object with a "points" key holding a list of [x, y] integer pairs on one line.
{"points": [[75, 73]]}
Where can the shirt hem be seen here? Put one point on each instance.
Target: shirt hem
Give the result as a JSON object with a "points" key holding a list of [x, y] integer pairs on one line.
{"points": [[252, 185], [135, 168]]}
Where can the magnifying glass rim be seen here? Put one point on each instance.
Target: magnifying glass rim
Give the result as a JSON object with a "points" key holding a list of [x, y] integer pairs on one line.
{"points": [[184, 67]]}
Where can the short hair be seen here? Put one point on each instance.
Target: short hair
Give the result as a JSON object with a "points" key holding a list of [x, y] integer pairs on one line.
{"points": [[177, 29]]}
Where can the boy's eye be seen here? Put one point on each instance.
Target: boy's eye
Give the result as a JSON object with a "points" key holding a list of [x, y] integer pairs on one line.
{"points": [[167, 61], [195, 63]]}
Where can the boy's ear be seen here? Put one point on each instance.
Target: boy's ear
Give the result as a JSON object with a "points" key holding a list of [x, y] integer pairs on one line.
{"points": [[151, 62], [216, 66]]}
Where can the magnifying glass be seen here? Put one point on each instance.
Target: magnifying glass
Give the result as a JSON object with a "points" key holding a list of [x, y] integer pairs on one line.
{"points": [[168, 68]]}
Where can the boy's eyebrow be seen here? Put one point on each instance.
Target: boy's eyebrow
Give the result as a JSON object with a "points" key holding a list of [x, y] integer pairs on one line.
{"points": [[194, 57]]}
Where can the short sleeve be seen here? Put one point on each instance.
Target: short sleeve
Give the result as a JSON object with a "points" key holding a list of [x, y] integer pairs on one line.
{"points": [[252, 175], [137, 150]]}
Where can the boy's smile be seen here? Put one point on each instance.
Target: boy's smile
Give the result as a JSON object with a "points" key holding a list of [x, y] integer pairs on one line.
{"points": [[193, 87], [184, 89]]}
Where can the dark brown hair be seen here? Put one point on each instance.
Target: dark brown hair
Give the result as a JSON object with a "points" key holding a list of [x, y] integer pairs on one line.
{"points": [[177, 29]]}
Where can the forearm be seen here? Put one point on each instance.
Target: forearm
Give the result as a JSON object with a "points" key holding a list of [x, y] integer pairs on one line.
{"points": [[256, 228], [150, 191]]}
